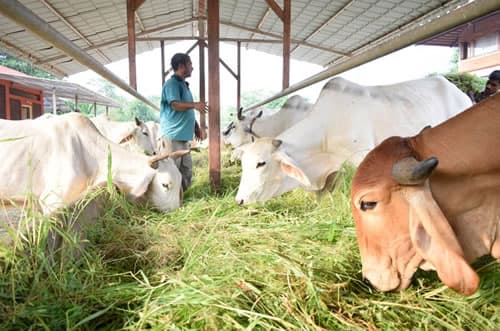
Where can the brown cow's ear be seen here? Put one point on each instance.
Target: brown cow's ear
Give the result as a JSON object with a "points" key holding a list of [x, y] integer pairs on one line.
{"points": [[434, 239]]}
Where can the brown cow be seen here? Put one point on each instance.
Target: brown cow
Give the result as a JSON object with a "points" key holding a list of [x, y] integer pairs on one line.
{"points": [[412, 214]]}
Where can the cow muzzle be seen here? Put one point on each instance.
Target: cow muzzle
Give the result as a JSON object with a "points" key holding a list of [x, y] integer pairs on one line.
{"points": [[383, 281]]}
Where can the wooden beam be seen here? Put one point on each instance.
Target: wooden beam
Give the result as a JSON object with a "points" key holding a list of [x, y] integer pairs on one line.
{"points": [[261, 21], [201, 54], [214, 94], [119, 40], [238, 80], [132, 68], [286, 42], [136, 4], [228, 69], [293, 41], [276, 9], [244, 40]]}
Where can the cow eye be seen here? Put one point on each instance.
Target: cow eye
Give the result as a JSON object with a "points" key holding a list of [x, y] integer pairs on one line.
{"points": [[166, 186], [145, 133], [260, 164], [366, 205]]}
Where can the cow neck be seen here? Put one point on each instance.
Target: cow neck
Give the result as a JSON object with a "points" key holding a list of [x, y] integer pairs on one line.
{"points": [[462, 142]]}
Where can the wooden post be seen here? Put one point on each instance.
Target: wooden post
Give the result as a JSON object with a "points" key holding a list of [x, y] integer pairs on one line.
{"points": [[238, 72], [95, 109], [132, 6], [213, 94], [76, 103], [162, 47], [54, 102], [8, 114], [286, 42], [201, 50], [107, 111]]}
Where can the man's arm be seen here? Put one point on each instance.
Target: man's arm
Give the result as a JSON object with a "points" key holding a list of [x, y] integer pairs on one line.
{"points": [[201, 107]]}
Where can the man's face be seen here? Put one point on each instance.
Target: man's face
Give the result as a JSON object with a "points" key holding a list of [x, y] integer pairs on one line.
{"points": [[493, 86], [188, 69]]}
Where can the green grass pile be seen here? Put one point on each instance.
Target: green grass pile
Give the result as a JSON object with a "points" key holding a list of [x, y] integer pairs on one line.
{"points": [[291, 263]]}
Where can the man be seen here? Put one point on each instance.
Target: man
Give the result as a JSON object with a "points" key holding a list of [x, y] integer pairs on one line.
{"points": [[177, 117], [492, 86]]}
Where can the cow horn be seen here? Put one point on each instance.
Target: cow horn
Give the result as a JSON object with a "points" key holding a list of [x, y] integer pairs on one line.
{"points": [[277, 143], [259, 114], [153, 160], [409, 171], [425, 128], [138, 122], [240, 114]]}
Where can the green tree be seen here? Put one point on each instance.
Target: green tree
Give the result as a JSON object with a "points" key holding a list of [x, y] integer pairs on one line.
{"points": [[23, 66], [468, 83]]}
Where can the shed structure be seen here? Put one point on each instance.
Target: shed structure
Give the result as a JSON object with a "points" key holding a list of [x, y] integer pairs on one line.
{"points": [[69, 36]]}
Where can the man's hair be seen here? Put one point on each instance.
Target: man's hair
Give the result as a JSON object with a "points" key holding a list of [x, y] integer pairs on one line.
{"points": [[495, 75], [179, 58]]}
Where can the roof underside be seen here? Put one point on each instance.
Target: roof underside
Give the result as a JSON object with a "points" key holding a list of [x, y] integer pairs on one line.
{"points": [[323, 31], [451, 37]]}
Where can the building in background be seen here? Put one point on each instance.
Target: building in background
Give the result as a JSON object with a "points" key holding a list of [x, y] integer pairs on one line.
{"points": [[478, 42], [23, 97]]}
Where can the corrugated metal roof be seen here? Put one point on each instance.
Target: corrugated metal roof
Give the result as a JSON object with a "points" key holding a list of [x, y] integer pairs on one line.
{"points": [[323, 31]]}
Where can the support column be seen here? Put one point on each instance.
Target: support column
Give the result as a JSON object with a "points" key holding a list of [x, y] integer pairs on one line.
{"points": [[214, 94], [162, 47], [238, 73], [201, 50], [54, 102], [132, 6], [76, 103], [286, 42]]}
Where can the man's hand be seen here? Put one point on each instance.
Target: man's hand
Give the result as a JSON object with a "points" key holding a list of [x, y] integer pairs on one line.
{"points": [[201, 107], [199, 134]]}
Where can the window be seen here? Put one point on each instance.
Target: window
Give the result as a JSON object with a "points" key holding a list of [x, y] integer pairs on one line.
{"points": [[486, 44]]}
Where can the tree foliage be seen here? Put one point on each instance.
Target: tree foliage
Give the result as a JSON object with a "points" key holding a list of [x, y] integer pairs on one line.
{"points": [[468, 83]]}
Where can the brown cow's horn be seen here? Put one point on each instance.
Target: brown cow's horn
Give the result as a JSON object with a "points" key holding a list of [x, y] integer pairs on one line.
{"points": [[409, 171], [240, 114]]}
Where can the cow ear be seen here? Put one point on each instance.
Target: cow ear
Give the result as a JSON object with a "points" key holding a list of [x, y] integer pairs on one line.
{"points": [[136, 185], [434, 239], [290, 167], [127, 138]]}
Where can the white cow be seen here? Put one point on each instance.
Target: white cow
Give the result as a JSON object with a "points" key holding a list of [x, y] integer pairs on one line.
{"points": [[347, 121], [58, 160], [134, 135], [241, 131]]}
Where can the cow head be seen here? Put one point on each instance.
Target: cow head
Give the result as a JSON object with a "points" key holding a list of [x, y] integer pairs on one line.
{"points": [[165, 189], [142, 136], [240, 132], [267, 171], [399, 224]]}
